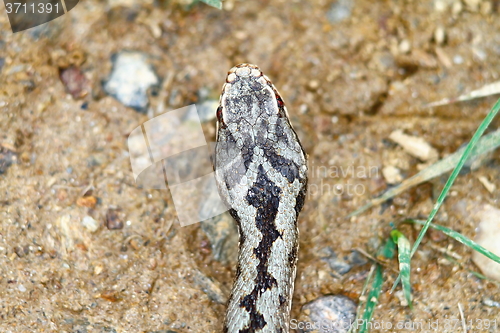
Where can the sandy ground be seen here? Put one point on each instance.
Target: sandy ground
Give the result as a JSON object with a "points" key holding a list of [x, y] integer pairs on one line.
{"points": [[348, 82]]}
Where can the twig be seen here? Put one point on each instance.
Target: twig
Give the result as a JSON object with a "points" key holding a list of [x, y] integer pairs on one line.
{"points": [[464, 325]]}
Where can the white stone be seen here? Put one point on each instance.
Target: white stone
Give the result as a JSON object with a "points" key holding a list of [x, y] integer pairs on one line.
{"points": [[487, 184], [457, 8], [130, 79], [488, 236], [442, 5], [439, 35], [392, 174], [404, 46], [414, 146], [473, 5], [89, 223]]}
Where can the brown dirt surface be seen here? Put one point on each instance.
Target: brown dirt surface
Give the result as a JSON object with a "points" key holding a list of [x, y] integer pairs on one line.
{"points": [[347, 86]]}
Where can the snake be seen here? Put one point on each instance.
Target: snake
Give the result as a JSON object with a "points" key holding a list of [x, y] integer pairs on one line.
{"points": [[261, 175]]}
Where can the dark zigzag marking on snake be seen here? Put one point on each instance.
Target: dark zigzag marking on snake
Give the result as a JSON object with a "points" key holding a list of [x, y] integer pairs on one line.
{"points": [[286, 167], [264, 195]]}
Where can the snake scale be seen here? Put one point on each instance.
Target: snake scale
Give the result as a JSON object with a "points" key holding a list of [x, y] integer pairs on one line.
{"points": [[261, 174]]}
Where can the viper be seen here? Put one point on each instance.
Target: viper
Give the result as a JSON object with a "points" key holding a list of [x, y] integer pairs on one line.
{"points": [[261, 175]]}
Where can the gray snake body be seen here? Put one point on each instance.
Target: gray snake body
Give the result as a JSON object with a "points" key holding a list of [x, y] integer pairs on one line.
{"points": [[261, 174]]}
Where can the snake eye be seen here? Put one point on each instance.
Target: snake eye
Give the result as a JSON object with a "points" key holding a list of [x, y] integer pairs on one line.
{"points": [[219, 117], [280, 102], [281, 107], [219, 114]]}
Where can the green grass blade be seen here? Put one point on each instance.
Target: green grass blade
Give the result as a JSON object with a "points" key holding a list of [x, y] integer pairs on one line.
{"points": [[388, 250], [487, 143], [462, 239], [475, 138], [372, 300], [476, 274], [214, 3], [466, 154], [354, 327], [404, 262]]}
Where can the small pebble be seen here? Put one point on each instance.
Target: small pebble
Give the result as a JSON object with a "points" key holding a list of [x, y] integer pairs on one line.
{"points": [[135, 244], [458, 60], [441, 5], [87, 201], [113, 219], [313, 85], [130, 80], [75, 82], [342, 265], [457, 8], [98, 269], [331, 313], [241, 35], [356, 259], [21, 251], [402, 299], [21, 288], [339, 11], [472, 5], [404, 46], [7, 158], [439, 35], [487, 184], [91, 224], [337, 264], [392, 174], [492, 303]]}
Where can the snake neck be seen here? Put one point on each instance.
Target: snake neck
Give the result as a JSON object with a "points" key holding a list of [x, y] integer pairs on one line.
{"points": [[261, 297], [262, 293], [261, 173]]}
